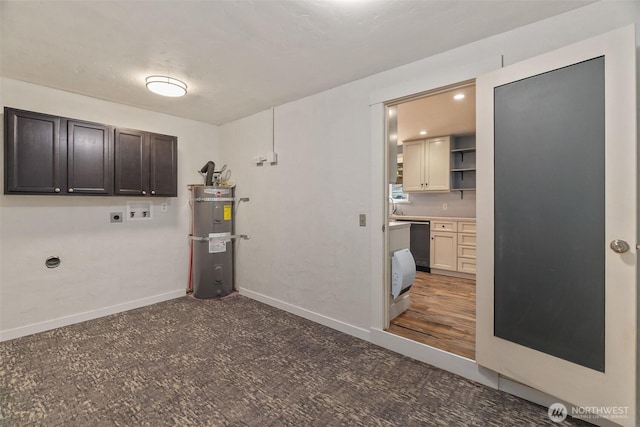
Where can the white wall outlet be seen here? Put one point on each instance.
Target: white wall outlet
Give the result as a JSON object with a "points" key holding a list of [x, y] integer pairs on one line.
{"points": [[445, 206], [164, 207], [272, 157], [258, 160]]}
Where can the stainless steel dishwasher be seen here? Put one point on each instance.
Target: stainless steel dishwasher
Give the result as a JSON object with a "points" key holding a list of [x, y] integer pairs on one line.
{"points": [[420, 243]]}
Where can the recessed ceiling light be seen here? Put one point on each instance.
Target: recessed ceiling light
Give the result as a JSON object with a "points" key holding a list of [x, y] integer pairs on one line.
{"points": [[166, 86], [458, 96], [423, 132]]}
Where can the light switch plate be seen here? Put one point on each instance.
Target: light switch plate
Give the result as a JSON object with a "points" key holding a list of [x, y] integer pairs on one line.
{"points": [[363, 220]]}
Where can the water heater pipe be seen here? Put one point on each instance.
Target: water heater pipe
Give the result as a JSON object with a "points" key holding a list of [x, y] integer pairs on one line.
{"points": [[209, 168]]}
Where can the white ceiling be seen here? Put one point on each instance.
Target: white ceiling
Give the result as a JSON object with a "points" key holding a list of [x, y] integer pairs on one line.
{"points": [[438, 114], [238, 57]]}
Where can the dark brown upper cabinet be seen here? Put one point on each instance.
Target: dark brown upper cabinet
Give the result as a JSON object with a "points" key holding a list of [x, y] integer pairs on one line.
{"points": [[163, 165], [47, 154], [146, 164], [33, 153], [90, 158]]}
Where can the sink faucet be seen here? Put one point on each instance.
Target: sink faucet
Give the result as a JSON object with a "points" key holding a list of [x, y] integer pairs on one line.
{"points": [[394, 208]]}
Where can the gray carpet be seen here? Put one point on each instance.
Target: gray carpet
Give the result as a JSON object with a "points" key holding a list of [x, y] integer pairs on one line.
{"points": [[234, 362]]}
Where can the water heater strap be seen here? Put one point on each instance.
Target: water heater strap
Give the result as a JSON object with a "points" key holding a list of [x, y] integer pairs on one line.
{"points": [[213, 199], [209, 239]]}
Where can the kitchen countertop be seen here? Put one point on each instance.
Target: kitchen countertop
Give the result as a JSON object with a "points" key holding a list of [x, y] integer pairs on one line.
{"points": [[393, 225], [427, 218]]}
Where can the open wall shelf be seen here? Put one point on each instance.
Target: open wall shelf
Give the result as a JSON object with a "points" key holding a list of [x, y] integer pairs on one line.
{"points": [[463, 163]]}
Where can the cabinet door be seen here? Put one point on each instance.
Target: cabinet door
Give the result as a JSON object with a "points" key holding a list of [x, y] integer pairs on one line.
{"points": [[467, 265], [33, 153], [444, 250], [413, 169], [132, 162], [90, 156], [437, 170], [163, 167]]}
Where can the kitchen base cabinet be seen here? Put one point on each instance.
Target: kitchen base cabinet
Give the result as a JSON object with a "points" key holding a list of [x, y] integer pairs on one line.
{"points": [[443, 250], [467, 265], [467, 247], [453, 248]]}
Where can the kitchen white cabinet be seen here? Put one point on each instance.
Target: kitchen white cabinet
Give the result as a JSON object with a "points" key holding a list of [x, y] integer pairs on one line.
{"points": [[426, 165], [444, 247], [467, 247], [453, 247]]}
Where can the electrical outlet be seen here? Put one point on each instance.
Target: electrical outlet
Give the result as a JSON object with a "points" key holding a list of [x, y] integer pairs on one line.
{"points": [[116, 216], [445, 206], [363, 220], [164, 207]]}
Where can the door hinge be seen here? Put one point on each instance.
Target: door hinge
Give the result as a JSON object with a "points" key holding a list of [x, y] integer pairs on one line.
{"points": [[383, 228]]}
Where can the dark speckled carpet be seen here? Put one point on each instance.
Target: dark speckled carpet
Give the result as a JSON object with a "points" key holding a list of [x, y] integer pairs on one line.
{"points": [[234, 362]]}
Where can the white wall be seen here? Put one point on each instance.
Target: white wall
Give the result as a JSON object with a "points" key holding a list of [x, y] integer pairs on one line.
{"points": [[307, 253], [105, 267], [303, 215], [431, 204]]}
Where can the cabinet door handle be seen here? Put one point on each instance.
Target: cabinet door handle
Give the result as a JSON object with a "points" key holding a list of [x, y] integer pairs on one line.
{"points": [[71, 190], [153, 191], [57, 190], [144, 192]]}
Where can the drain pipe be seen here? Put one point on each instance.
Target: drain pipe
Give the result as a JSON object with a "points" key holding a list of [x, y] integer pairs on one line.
{"points": [[209, 168]]}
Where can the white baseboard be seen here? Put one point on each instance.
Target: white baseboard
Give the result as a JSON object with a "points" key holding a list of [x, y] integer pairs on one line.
{"points": [[459, 365], [87, 315], [459, 274], [338, 325]]}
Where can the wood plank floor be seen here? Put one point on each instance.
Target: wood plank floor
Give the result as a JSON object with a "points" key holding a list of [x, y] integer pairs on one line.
{"points": [[442, 314]]}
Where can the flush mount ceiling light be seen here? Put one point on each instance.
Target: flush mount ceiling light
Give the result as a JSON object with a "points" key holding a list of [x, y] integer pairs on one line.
{"points": [[166, 86], [423, 132], [458, 96]]}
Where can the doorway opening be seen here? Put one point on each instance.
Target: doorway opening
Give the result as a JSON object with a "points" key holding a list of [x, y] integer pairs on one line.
{"points": [[431, 169]]}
